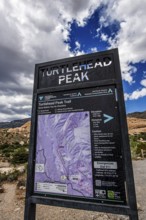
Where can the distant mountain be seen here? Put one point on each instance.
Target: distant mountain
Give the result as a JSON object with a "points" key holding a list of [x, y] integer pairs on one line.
{"points": [[14, 124], [141, 115]]}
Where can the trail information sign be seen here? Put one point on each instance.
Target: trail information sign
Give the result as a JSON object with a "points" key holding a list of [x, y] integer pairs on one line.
{"points": [[79, 150]]}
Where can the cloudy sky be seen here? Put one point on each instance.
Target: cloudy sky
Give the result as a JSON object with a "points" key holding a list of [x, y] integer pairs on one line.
{"points": [[33, 31]]}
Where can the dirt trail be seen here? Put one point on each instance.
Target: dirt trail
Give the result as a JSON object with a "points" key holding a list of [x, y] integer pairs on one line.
{"points": [[13, 209], [140, 182], [10, 207]]}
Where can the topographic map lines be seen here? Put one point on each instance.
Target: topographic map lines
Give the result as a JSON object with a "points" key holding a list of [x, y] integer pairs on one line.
{"points": [[63, 154]]}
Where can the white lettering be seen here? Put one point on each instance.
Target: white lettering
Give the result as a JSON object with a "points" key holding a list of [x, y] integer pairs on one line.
{"points": [[55, 71], [90, 66], [98, 64], [68, 78], [76, 78], [107, 64], [49, 73], [84, 76], [75, 68], [61, 78], [83, 66]]}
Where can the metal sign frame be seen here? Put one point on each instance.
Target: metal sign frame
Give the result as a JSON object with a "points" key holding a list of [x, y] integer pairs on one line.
{"points": [[31, 198]]}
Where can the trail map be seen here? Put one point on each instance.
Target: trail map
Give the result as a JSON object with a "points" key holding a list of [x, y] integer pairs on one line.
{"points": [[63, 157]]}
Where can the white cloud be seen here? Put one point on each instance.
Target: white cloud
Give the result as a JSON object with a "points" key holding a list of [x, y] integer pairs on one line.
{"points": [[10, 117], [40, 28], [139, 93], [80, 10], [78, 45], [127, 71], [34, 32], [131, 37], [14, 107], [77, 51], [14, 100], [98, 32], [126, 96], [143, 82], [104, 37], [94, 49]]}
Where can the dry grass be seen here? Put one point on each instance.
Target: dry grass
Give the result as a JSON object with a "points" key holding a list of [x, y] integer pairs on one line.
{"points": [[136, 125]]}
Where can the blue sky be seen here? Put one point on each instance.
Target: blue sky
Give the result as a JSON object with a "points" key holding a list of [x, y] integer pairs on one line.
{"points": [[89, 36], [89, 40], [39, 31]]}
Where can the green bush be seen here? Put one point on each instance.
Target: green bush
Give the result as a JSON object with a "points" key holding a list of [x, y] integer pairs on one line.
{"points": [[19, 156], [4, 146], [136, 145], [16, 144], [15, 153], [11, 176], [140, 146], [3, 177], [143, 135]]}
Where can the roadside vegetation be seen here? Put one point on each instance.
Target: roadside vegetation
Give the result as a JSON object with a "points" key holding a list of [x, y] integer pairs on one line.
{"points": [[10, 176], [15, 154], [137, 144]]}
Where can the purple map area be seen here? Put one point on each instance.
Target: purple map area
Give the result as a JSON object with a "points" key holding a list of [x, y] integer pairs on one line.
{"points": [[63, 154]]}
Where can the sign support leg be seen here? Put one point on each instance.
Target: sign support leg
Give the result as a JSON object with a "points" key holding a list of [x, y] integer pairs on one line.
{"points": [[133, 217], [30, 211]]}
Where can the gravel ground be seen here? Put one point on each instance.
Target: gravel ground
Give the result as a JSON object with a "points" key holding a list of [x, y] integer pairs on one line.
{"points": [[140, 184], [12, 203]]}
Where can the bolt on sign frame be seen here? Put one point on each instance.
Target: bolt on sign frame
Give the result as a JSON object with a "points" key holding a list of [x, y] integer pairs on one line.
{"points": [[79, 154]]}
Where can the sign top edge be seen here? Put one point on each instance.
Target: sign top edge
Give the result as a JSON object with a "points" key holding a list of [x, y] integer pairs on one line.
{"points": [[65, 59]]}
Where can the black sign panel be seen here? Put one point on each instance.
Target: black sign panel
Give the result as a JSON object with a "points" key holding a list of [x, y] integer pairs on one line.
{"points": [[92, 153], [79, 150], [77, 71]]}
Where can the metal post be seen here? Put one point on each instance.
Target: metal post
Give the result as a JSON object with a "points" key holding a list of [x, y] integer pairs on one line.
{"points": [[30, 210]]}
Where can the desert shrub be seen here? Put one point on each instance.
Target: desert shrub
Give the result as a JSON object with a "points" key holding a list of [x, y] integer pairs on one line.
{"points": [[16, 144], [136, 145], [137, 137], [15, 153], [7, 151], [3, 177], [4, 146], [142, 135], [21, 182], [133, 145], [134, 151], [140, 146], [11, 176], [19, 156]]}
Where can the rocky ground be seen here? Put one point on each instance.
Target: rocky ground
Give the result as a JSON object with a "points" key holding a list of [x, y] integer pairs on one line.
{"points": [[12, 203]]}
